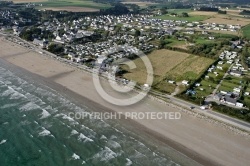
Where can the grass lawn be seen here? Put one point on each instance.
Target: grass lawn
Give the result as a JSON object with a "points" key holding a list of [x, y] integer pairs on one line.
{"points": [[226, 65], [203, 41], [179, 11], [165, 87], [248, 89], [73, 3], [174, 42], [234, 80], [246, 31], [205, 92], [190, 18], [208, 83], [212, 75], [225, 88], [229, 84]]}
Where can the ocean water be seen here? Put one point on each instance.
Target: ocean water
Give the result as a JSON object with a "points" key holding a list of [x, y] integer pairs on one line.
{"points": [[35, 129]]}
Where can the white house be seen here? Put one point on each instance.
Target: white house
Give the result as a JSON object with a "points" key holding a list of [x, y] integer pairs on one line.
{"points": [[184, 82], [239, 105], [236, 73], [171, 82], [211, 38]]}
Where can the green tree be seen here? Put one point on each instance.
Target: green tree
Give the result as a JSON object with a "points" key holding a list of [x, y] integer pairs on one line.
{"points": [[184, 14]]}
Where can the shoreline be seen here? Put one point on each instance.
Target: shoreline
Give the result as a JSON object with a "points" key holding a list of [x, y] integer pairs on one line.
{"points": [[164, 132], [131, 125]]}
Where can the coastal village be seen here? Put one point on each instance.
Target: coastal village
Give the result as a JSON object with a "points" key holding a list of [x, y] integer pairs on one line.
{"points": [[125, 82], [100, 41]]}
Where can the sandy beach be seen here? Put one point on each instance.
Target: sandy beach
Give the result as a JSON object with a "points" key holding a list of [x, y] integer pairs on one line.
{"points": [[207, 143]]}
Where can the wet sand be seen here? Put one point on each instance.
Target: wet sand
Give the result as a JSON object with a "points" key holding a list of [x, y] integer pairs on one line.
{"points": [[207, 143]]}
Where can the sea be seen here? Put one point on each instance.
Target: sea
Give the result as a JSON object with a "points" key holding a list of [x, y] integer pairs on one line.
{"points": [[36, 130]]}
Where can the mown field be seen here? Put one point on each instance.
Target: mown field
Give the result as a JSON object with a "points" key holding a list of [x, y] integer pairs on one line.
{"points": [[162, 61], [167, 65], [139, 3], [65, 4], [246, 31], [191, 18], [189, 69]]}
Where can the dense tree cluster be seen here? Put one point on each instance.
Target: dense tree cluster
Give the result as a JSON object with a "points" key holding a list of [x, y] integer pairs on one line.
{"points": [[245, 12], [30, 34], [222, 12], [56, 49], [117, 9]]}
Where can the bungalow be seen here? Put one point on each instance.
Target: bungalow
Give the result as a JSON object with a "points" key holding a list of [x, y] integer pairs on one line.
{"points": [[211, 38], [236, 73], [204, 32], [239, 105], [246, 93], [237, 90], [220, 62], [71, 56], [184, 82], [230, 62], [59, 39], [219, 67], [171, 82], [197, 84]]}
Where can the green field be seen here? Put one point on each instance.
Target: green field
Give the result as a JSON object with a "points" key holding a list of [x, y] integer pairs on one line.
{"points": [[73, 3], [179, 11], [246, 31], [190, 18]]}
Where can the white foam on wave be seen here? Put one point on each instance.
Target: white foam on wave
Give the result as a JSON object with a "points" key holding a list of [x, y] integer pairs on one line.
{"points": [[17, 95], [74, 132], [83, 138], [113, 137], [105, 154], [8, 92], [138, 154], [34, 99], [29, 106], [75, 157], [103, 137], [45, 114], [113, 144], [66, 117], [92, 132], [45, 132], [3, 141], [129, 162], [9, 105]]}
